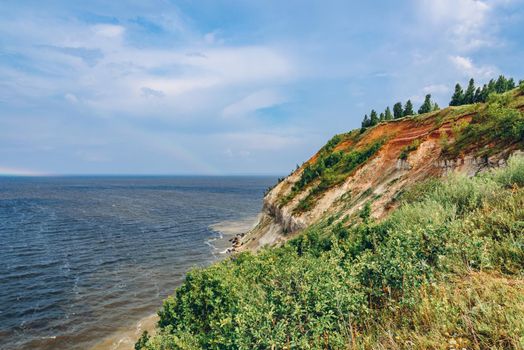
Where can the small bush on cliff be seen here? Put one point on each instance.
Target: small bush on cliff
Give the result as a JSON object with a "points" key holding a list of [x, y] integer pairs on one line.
{"points": [[404, 153], [335, 287]]}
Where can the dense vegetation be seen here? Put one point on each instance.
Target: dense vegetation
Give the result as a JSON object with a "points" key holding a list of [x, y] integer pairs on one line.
{"points": [[399, 112], [330, 168], [460, 97], [476, 94], [442, 271], [497, 125]]}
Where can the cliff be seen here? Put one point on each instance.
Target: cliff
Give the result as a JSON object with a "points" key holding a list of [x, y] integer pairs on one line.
{"points": [[375, 248], [408, 150]]}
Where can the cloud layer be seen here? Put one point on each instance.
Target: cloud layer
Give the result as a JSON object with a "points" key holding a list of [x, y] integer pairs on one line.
{"points": [[156, 88]]}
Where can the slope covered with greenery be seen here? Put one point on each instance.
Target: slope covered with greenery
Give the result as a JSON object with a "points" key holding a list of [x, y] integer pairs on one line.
{"points": [[445, 269]]}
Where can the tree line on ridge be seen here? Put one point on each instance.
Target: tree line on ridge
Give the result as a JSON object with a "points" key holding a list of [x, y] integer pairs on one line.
{"points": [[472, 94]]}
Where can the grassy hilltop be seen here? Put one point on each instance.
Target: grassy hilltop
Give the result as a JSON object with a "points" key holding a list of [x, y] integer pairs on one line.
{"points": [[417, 260]]}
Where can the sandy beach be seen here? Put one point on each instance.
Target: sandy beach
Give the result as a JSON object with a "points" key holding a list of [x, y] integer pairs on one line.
{"points": [[125, 339]]}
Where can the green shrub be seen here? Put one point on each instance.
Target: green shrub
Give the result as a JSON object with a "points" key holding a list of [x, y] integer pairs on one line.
{"points": [[336, 285], [408, 149]]}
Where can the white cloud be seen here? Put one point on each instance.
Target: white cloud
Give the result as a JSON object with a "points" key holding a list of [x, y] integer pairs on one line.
{"points": [[108, 30], [468, 69], [121, 75], [4, 170], [436, 89], [212, 38], [257, 100], [93, 157], [464, 22], [148, 92], [260, 141], [71, 98]]}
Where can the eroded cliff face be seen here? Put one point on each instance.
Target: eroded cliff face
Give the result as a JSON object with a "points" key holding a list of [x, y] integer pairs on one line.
{"points": [[412, 149]]}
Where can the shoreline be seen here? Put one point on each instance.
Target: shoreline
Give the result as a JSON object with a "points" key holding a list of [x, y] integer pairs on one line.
{"points": [[230, 233], [125, 338]]}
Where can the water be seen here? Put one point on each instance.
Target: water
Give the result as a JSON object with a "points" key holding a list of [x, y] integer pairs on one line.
{"points": [[83, 256]]}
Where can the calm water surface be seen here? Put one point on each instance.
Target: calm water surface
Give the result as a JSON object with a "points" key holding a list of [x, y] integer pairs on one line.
{"points": [[81, 257]]}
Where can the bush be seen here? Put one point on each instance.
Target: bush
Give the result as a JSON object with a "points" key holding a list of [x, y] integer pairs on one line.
{"points": [[336, 285], [404, 153]]}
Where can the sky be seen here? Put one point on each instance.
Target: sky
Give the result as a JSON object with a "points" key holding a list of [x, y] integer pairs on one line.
{"points": [[227, 87]]}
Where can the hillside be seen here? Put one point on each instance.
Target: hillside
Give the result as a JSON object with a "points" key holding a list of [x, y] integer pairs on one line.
{"points": [[406, 234], [377, 164]]}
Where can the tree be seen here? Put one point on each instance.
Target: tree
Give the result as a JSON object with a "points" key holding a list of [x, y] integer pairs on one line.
{"points": [[458, 97], [510, 84], [388, 115], [478, 95], [397, 110], [426, 106], [469, 95], [491, 88], [435, 107], [408, 108], [484, 93], [373, 117], [382, 117], [365, 213], [365, 121], [501, 84]]}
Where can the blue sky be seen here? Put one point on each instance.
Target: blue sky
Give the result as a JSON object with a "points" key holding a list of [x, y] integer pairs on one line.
{"points": [[227, 87]]}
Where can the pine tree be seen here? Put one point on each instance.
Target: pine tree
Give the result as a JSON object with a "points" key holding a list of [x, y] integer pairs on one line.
{"points": [[469, 95], [373, 117], [500, 84], [408, 108], [365, 121], [478, 95], [491, 89], [382, 117], [397, 110], [484, 93], [510, 84], [426, 106], [458, 97], [435, 107], [387, 114]]}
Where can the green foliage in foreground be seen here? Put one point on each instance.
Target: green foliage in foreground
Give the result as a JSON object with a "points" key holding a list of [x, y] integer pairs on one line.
{"points": [[390, 284]]}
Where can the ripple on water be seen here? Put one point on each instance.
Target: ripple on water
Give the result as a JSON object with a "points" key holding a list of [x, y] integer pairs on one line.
{"points": [[84, 259]]}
